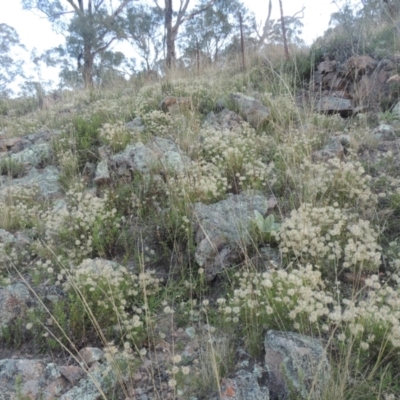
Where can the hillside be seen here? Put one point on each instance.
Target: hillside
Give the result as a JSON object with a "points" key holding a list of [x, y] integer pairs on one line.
{"points": [[199, 236]]}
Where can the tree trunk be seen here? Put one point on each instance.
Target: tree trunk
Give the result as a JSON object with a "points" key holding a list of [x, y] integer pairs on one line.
{"points": [[169, 37], [242, 41], [87, 72], [284, 32]]}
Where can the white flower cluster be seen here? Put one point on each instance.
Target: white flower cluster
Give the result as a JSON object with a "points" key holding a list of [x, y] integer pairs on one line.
{"points": [[329, 236], [115, 135], [74, 227], [227, 160], [336, 181], [280, 299], [114, 290]]}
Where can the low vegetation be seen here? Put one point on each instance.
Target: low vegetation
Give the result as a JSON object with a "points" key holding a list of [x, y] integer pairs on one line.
{"points": [[334, 234]]}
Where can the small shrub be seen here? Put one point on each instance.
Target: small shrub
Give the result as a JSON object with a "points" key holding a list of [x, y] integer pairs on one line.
{"points": [[11, 168], [331, 238]]}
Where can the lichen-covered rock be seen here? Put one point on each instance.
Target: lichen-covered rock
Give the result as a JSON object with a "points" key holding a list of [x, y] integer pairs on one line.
{"points": [[175, 104], [14, 300], [243, 386], [34, 155], [136, 125], [331, 104], [295, 361], [222, 230], [101, 380], [46, 181], [90, 355], [252, 110], [33, 379], [225, 119], [102, 175]]}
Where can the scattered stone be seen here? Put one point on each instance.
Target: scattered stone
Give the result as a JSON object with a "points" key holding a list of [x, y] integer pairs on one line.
{"points": [[252, 110], [72, 373], [331, 104], [46, 181], [225, 119], [222, 229], [14, 300], [102, 175], [136, 126], [34, 155], [90, 355], [175, 104], [102, 380], [303, 360], [32, 378]]}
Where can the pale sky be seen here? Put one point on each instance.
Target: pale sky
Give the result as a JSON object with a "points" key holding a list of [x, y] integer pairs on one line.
{"points": [[36, 32]]}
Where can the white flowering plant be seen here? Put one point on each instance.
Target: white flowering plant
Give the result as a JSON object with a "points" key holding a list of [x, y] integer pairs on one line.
{"points": [[331, 238], [283, 300], [112, 296]]}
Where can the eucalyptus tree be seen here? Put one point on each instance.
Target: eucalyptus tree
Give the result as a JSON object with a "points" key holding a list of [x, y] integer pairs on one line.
{"points": [[10, 66], [288, 27], [210, 32], [172, 25], [144, 28], [89, 26]]}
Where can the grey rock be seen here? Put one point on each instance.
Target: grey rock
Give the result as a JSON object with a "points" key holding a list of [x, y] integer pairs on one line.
{"points": [[334, 104], [45, 180], [160, 154], [296, 358], [90, 355], [334, 148], [243, 386], [102, 175], [6, 237], [136, 126], [14, 300], [225, 119], [396, 109], [34, 155], [222, 229], [252, 110], [102, 379], [35, 380]]}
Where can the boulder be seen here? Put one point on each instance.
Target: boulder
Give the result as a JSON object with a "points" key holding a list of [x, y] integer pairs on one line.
{"points": [[33, 155], [45, 181], [295, 362], [30, 379], [222, 230], [252, 110], [359, 84], [175, 104], [243, 385], [14, 301], [102, 175], [223, 120], [136, 125], [331, 105]]}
